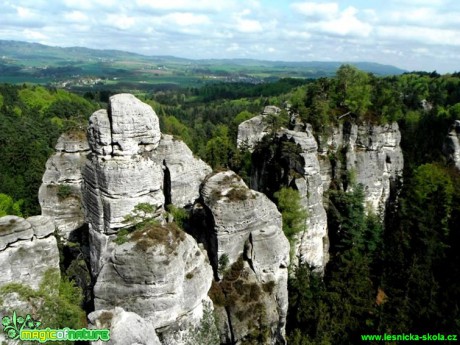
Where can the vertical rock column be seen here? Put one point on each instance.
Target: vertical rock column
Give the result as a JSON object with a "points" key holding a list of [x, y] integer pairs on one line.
{"points": [[60, 193], [451, 147], [119, 173], [312, 245]]}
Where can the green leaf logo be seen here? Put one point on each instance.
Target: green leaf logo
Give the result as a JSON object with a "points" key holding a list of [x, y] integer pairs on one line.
{"points": [[13, 326]]}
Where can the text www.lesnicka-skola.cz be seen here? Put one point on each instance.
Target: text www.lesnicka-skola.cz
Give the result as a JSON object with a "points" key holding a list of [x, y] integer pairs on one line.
{"points": [[409, 337]]}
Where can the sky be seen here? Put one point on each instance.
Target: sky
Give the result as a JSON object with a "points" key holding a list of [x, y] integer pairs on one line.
{"points": [[410, 34]]}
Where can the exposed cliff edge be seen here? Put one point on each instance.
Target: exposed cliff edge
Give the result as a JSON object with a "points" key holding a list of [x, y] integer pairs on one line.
{"points": [[183, 173], [251, 131], [349, 153], [125, 162], [163, 276], [27, 249], [366, 154], [451, 147], [28, 252], [60, 193], [241, 229]]}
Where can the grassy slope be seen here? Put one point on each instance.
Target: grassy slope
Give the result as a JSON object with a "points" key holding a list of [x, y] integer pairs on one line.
{"points": [[40, 64]]}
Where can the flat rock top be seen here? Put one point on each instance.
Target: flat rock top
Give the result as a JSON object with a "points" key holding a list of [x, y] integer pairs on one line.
{"points": [[225, 186], [13, 228], [74, 141]]}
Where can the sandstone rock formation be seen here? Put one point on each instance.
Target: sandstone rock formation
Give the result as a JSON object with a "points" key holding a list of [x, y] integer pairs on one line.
{"points": [[369, 154], [451, 147], [183, 173], [27, 249], [60, 192], [125, 327], [244, 223], [119, 173], [28, 253], [291, 160], [251, 131], [163, 276]]}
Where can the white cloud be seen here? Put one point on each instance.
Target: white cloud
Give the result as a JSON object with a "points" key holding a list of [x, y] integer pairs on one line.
{"points": [[80, 4], [75, 17], [181, 5], [317, 10], [186, 19], [233, 47], [248, 25], [120, 21], [425, 35], [24, 13], [34, 35], [432, 3], [343, 24]]}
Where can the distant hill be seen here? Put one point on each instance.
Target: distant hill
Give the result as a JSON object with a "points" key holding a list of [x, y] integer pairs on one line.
{"points": [[80, 68]]}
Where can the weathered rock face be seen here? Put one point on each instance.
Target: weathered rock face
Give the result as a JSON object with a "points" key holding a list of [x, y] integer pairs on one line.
{"points": [[311, 246], [242, 222], [28, 253], [291, 160], [125, 327], [163, 279], [251, 131], [451, 147], [183, 172], [27, 249], [368, 154], [60, 192], [119, 173]]}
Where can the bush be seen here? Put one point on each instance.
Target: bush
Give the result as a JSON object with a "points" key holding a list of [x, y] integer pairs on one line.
{"points": [[57, 302], [223, 263], [237, 194], [180, 215], [64, 191]]}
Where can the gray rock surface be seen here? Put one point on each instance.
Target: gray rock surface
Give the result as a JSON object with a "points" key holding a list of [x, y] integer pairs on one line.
{"points": [[27, 250], [246, 221], [119, 172], [164, 280], [134, 125], [370, 154], [451, 147], [251, 131], [125, 327], [63, 174], [183, 172], [312, 245]]}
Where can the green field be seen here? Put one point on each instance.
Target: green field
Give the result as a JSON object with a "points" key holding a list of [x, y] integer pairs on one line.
{"points": [[82, 69]]}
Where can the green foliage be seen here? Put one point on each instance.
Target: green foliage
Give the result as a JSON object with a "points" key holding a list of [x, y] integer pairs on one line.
{"points": [[294, 215], [142, 213], [354, 90], [206, 332], [28, 136], [219, 149], [64, 191], [421, 264], [9, 207], [57, 302], [223, 263], [242, 116], [180, 215], [152, 234], [277, 121]]}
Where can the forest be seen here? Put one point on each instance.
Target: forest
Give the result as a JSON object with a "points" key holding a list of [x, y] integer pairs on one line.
{"points": [[399, 275]]}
